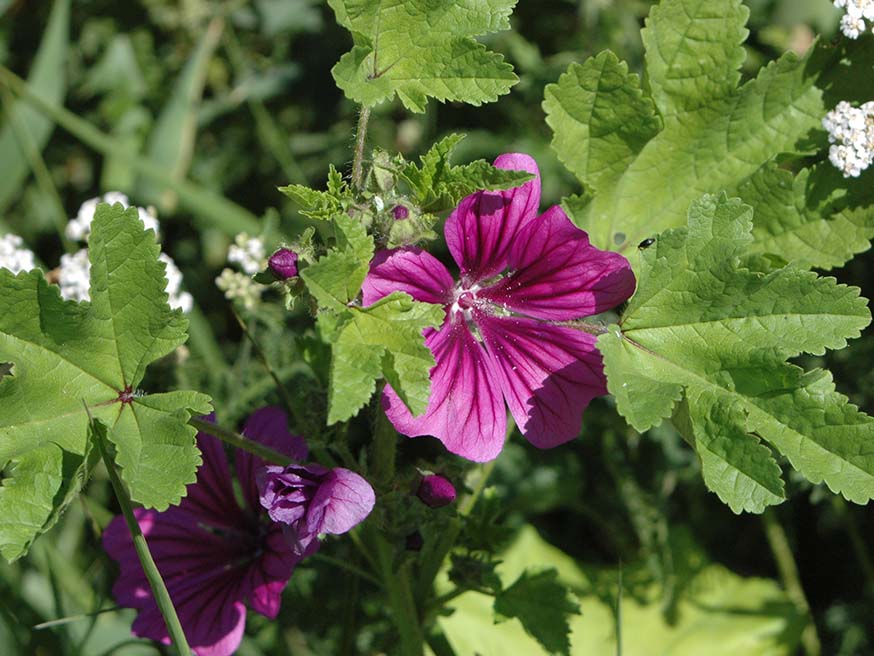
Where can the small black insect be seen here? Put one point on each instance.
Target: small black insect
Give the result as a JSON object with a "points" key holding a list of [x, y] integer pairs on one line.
{"points": [[646, 243]]}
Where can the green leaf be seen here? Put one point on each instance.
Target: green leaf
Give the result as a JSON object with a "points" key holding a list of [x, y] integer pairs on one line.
{"points": [[67, 354], [437, 185], [694, 50], [705, 326], [171, 142], [814, 219], [337, 277], [719, 613], [422, 48], [716, 135], [600, 119], [322, 205], [542, 604], [382, 340], [46, 79]]}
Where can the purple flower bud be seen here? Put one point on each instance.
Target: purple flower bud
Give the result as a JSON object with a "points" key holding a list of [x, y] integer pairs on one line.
{"points": [[414, 542], [399, 212], [311, 499], [283, 263], [436, 491]]}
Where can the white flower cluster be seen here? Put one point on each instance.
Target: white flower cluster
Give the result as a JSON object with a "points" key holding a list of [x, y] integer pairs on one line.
{"points": [[79, 228], [14, 256], [857, 12], [75, 270], [249, 253], [851, 133]]}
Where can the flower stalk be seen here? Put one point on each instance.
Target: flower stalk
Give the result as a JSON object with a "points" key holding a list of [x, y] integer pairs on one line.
{"points": [[156, 582]]}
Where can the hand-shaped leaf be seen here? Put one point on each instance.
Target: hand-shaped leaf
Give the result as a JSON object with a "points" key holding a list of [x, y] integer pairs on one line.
{"points": [[67, 354], [709, 328], [422, 48]]}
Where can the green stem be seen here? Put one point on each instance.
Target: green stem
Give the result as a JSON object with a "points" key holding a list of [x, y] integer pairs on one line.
{"points": [[360, 140], [385, 437], [342, 564], [397, 583], [153, 576], [788, 569], [856, 541], [224, 214], [237, 440], [74, 618]]}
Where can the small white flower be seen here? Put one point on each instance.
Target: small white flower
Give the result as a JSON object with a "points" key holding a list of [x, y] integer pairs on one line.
{"points": [[851, 133], [178, 299], [14, 256], [239, 287], [74, 276], [378, 203], [857, 12], [249, 253], [79, 228]]}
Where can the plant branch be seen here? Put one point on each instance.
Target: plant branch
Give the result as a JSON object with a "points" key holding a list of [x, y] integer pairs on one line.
{"points": [[153, 576], [235, 439], [788, 569], [360, 140]]}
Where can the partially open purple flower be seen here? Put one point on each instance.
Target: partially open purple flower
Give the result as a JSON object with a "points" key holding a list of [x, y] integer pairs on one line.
{"points": [[283, 263], [502, 338], [436, 491], [214, 556], [311, 499]]}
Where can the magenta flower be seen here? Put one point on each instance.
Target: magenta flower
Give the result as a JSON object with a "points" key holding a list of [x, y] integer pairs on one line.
{"points": [[520, 273], [311, 499], [214, 556]]}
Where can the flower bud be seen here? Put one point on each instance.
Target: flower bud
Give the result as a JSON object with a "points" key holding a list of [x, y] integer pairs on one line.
{"points": [[399, 212], [283, 263], [436, 491], [414, 542]]}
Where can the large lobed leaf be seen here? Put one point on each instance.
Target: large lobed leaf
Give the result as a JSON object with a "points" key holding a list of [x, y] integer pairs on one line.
{"points": [[422, 48], [706, 338], [66, 355], [715, 134]]}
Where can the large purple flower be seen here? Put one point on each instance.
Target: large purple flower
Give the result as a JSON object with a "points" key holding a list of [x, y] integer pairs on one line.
{"points": [[214, 555], [520, 273]]}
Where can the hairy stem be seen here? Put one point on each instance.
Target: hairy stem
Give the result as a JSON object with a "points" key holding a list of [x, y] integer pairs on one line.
{"points": [[153, 576], [360, 140], [788, 569], [398, 586]]}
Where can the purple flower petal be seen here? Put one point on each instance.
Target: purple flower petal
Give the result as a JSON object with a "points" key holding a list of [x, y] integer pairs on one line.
{"points": [[558, 275], [344, 499], [465, 411], [483, 227], [410, 270], [269, 426], [548, 375]]}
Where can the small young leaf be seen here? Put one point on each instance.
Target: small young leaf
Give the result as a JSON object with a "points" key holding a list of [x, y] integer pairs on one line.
{"points": [[437, 185], [704, 325], [422, 48], [65, 354], [322, 205], [543, 605], [383, 339]]}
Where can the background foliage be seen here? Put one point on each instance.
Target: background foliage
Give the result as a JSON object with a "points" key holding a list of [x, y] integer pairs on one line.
{"points": [[195, 101]]}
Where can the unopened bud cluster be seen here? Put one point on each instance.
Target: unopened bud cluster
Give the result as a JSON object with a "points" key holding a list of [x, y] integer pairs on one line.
{"points": [[858, 18], [851, 133]]}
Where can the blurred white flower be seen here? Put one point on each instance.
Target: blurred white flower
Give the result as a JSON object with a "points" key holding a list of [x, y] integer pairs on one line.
{"points": [[79, 228], [851, 133], [14, 256], [74, 276], [178, 299], [239, 287], [249, 253], [853, 22]]}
